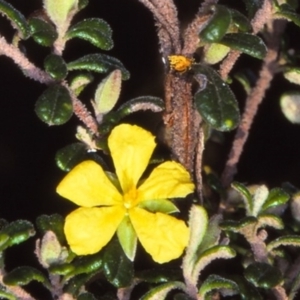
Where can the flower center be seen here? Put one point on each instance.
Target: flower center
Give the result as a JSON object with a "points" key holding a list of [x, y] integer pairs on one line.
{"points": [[130, 198]]}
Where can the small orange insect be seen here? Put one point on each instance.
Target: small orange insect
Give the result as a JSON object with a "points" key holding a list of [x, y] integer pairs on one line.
{"points": [[180, 63]]}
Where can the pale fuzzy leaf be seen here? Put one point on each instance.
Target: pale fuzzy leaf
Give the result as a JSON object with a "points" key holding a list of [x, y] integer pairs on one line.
{"points": [[208, 256], [290, 106], [160, 292], [269, 220], [108, 92], [289, 240], [198, 222], [293, 75], [246, 196], [214, 282], [58, 10], [295, 206], [259, 198]]}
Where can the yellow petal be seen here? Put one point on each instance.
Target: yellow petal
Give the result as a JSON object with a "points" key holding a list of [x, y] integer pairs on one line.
{"points": [[168, 180], [131, 148], [88, 230], [163, 237], [88, 186]]}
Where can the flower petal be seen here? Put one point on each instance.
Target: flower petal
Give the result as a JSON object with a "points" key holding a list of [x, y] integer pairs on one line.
{"points": [[88, 186], [168, 180], [88, 230], [163, 237], [131, 148]]}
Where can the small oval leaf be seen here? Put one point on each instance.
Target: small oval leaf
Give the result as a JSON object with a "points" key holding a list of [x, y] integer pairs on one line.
{"points": [[100, 63], [70, 156], [287, 11], [245, 42], [216, 282], [290, 106], [18, 232], [118, 269], [277, 196], [94, 30], [58, 11], [240, 21], [24, 275], [217, 26], [54, 106], [55, 66], [53, 223], [216, 103], [161, 292], [42, 32], [18, 20], [252, 7], [80, 81], [107, 93], [263, 275], [292, 75]]}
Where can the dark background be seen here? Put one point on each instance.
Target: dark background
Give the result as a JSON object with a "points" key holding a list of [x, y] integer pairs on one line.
{"points": [[28, 174]]}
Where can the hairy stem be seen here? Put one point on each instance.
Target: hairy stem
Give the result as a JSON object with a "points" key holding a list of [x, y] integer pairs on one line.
{"points": [[253, 101]]}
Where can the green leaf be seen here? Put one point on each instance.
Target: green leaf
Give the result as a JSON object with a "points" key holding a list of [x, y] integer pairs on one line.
{"points": [[247, 197], [288, 240], [245, 42], [100, 63], [24, 275], [216, 282], [154, 104], [54, 106], [82, 4], [42, 32], [79, 82], [217, 25], [18, 20], [236, 226], [107, 93], [86, 264], [240, 21], [214, 53], [94, 30], [70, 156], [58, 10], [160, 205], [159, 275], [216, 103], [252, 7], [247, 290], [18, 232], [127, 237], [276, 197], [263, 275], [75, 284], [118, 269], [54, 223], [55, 66], [290, 106], [63, 269], [182, 296], [287, 11], [163, 290]]}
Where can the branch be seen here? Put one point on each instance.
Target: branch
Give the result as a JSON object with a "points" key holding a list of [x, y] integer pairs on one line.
{"points": [[35, 73], [253, 101], [165, 13]]}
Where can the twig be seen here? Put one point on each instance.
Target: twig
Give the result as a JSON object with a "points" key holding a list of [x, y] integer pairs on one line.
{"points": [[253, 101]]}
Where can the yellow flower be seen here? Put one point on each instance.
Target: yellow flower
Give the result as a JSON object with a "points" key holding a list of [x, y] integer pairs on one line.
{"points": [[131, 208]]}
